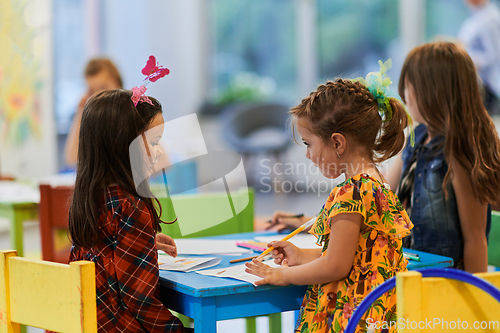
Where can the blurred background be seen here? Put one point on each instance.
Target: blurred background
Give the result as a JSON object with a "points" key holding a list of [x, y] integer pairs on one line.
{"points": [[224, 56], [236, 65], [219, 52]]}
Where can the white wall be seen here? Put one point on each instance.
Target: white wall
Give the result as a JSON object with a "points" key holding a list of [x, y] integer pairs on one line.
{"points": [[176, 33], [35, 156], [411, 23]]}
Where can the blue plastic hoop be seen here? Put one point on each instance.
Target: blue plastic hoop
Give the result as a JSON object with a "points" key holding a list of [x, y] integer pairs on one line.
{"points": [[449, 273]]}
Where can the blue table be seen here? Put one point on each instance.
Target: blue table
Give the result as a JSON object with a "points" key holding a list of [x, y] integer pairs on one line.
{"points": [[208, 299]]}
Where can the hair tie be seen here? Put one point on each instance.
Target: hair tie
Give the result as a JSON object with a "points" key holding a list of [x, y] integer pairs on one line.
{"points": [[153, 72], [378, 84]]}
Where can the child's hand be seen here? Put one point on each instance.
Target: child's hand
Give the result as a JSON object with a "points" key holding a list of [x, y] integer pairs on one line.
{"points": [[285, 220], [274, 276], [167, 244], [285, 251]]}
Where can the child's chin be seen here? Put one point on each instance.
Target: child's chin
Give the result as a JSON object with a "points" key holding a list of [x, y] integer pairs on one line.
{"points": [[151, 170], [331, 175]]}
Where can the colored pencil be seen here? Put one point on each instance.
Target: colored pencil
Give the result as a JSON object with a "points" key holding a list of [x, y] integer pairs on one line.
{"points": [[252, 246], [242, 259], [411, 256], [290, 235]]}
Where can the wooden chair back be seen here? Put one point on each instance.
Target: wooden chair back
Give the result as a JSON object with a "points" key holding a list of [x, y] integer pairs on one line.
{"points": [[494, 240], [441, 304], [54, 212], [47, 295]]}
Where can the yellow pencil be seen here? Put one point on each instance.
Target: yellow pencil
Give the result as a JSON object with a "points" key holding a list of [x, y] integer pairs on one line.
{"points": [[290, 235]]}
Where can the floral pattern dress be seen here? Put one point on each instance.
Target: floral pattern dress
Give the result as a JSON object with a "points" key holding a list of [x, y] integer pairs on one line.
{"points": [[379, 256]]}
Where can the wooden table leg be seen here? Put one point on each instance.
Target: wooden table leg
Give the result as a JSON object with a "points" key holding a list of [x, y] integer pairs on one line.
{"points": [[16, 231], [251, 325], [18, 214], [205, 315], [275, 322]]}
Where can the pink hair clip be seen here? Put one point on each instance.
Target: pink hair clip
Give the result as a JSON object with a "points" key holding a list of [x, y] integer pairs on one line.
{"points": [[153, 72]]}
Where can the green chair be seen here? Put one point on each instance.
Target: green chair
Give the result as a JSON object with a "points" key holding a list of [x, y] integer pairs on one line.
{"points": [[494, 240], [212, 204], [179, 205]]}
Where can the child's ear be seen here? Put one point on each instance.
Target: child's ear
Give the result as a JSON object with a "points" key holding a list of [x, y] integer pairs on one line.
{"points": [[338, 142]]}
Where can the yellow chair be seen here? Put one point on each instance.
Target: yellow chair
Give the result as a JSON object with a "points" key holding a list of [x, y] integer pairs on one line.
{"points": [[51, 296], [445, 305]]}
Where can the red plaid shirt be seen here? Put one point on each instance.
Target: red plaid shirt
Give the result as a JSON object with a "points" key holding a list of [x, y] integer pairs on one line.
{"points": [[126, 259]]}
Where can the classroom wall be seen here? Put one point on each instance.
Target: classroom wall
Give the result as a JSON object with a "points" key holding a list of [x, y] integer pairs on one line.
{"points": [[27, 131], [176, 33]]}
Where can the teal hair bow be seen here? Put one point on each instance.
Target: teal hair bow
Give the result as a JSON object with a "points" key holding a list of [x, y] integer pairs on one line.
{"points": [[378, 84]]}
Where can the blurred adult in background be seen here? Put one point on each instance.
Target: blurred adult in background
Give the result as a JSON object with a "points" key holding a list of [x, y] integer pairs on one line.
{"points": [[100, 74], [480, 34]]}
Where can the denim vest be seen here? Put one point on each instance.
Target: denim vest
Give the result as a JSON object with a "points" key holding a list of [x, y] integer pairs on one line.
{"points": [[436, 220]]}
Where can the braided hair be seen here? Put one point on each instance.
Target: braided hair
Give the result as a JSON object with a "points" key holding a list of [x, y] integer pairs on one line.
{"points": [[347, 107]]}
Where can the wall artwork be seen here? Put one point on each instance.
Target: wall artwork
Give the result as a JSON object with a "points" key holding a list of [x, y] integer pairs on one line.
{"points": [[20, 81], [28, 146]]}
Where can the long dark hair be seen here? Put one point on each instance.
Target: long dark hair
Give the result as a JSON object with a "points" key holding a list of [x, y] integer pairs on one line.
{"points": [[110, 122], [449, 100]]}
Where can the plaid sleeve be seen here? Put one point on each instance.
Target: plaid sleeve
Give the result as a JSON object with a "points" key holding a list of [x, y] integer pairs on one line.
{"points": [[136, 260]]}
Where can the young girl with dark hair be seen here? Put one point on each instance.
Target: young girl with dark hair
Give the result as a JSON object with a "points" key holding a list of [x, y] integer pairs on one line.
{"points": [[452, 173], [347, 127], [113, 221]]}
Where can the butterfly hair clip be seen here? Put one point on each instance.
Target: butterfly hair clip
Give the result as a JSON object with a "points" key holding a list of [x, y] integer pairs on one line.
{"points": [[153, 72]]}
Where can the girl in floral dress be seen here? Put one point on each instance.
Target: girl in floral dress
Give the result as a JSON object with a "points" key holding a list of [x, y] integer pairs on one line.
{"points": [[348, 126]]}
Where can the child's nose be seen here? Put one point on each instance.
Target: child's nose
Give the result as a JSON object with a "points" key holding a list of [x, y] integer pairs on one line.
{"points": [[159, 152]]}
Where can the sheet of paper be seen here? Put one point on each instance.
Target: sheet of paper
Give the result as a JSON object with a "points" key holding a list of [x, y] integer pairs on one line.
{"points": [[186, 264], [210, 246], [304, 241], [236, 272]]}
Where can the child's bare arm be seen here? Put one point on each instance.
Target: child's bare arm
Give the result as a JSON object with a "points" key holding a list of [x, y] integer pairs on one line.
{"points": [[338, 261], [393, 175], [309, 255], [473, 216], [344, 234]]}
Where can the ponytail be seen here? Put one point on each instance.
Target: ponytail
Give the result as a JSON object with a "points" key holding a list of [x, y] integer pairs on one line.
{"points": [[392, 138]]}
